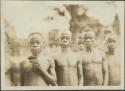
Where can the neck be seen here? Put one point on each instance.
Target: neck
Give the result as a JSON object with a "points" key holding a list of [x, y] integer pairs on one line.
{"points": [[111, 51], [35, 54], [65, 49], [89, 49]]}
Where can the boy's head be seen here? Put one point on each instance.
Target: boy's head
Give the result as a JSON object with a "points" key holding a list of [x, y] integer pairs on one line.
{"points": [[36, 42], [111, 41], [79, 41], [89, 36], [107, 31], [65, 38]]}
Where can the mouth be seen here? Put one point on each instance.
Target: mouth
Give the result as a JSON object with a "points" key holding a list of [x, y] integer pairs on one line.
{"points": [[112, 46], [35, 48], [64, 41], [89, 42]]}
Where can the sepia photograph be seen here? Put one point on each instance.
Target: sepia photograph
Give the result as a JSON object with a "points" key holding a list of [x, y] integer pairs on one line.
{"points": [[62, 45]]}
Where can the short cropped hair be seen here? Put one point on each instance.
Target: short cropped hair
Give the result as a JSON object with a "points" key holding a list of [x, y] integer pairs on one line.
{"points": [[87, 31], [65, 32], [111, 37], [33, 33]]}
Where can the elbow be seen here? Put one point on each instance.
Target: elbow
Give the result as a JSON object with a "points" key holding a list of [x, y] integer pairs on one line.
{"points": [[105, 72], [54, 82], [80, 76]]}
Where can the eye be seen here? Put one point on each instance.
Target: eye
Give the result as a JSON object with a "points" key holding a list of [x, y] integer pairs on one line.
{"points": [[38, 42], [31, 42], [62, 38], [113, 41], [34, 42]]}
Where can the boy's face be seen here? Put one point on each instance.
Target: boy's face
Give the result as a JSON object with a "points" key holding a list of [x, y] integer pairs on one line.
{"points": [[89, 39], [80, 42], [80, 45], [65, 40], [111, 43], [36, 43]]}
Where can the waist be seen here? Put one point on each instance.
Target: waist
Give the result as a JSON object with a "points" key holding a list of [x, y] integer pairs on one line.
{"points": [[114, 80], [34, 79], [65, 67], [114, 83]]}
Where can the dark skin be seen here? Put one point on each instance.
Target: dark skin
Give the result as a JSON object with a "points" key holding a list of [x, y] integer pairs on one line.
{"points": [[113, 58], [68, 64], [40, 68], [12, 73], [95, 67]]}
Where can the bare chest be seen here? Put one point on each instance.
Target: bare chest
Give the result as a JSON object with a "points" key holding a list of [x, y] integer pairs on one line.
{"points": [[88, 58], [66, 60], [113, 61], [44, 63]]}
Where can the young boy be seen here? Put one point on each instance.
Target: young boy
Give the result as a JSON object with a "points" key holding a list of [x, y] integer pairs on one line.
{"points": [[95, 67], [67, 63], [38, 69], [12, 71], [12, 66], [113, 58]]}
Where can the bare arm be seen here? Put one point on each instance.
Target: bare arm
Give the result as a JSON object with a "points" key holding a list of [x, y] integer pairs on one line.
{"points": [[22, 74], [80, 73], [15, 73], [25, 67], [50, 75], [52, 72], [105, 72], [15, 77]]}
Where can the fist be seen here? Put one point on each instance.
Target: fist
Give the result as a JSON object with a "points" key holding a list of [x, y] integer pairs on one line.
{"points": [[27, 66], [35, 64]]}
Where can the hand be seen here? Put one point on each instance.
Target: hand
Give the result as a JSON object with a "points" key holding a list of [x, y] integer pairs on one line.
{"points": [[35, 64]]}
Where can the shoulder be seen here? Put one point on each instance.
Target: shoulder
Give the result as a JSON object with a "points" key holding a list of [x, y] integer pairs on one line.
{"points": [[24, 61], [50, 59], [99, 52], [10, 59], [55, 55], [45, 58], [76, 55], [14, 62], [81, 54]]}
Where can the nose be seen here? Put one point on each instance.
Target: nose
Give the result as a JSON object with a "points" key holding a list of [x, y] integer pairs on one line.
{"points": [[35, 45], [112, 44], [64, 40], [88, 40]]}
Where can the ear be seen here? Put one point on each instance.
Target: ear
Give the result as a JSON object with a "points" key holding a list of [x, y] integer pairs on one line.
{"points": [[106, 43], [43, 45], [71, 41], [58, 40], [93, 40], [28, 43]]}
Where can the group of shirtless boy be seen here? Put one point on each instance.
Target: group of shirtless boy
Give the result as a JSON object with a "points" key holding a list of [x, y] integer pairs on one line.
{"points": [[87, 67]]}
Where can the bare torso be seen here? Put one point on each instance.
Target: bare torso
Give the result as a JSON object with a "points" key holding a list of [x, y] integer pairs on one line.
{"points": [[12, 70], [92, 68], [114, 70], [34, 77], [7, 73], [66, 69]]}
